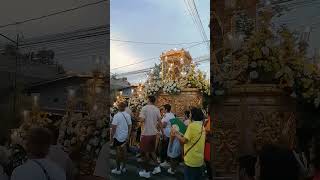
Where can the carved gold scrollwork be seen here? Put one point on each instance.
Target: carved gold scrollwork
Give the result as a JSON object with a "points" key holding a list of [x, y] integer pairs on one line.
{"points": [[270, 126], [226, 149], [180, 102]]}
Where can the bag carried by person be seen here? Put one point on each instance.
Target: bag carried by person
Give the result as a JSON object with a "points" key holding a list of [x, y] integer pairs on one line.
{"points": [[126, 143], [201, 132]]}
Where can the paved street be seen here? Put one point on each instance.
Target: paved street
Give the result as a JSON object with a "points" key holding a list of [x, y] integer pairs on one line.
{"points": [[133, 168]]}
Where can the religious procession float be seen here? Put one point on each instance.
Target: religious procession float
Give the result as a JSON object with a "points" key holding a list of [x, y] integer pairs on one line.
{"points": [[175, 81], [81, 134], [258, 82]]}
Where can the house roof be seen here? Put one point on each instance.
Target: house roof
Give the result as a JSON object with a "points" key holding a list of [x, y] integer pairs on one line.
{"points": [[116, 84]]}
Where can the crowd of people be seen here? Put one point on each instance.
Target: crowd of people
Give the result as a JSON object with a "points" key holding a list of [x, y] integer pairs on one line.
{"points": [[166, 142], [161, 144], [47, 160]]}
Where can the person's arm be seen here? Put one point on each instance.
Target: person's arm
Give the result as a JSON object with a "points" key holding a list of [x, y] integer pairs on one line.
{"points": [[160, 124], [142, 115], [113, 132], [184, 139], [129, 131], [164, 124]]}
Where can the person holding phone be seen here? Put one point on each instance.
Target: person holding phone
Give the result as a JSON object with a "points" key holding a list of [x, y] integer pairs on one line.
{"points": [[194, 144]]}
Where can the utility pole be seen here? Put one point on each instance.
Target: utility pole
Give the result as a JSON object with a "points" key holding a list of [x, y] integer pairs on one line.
{"points": [[16, 43], [15, 76]]}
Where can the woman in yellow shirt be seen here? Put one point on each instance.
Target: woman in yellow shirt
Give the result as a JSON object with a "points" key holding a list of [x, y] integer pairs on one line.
{"points": [[194, 143]]}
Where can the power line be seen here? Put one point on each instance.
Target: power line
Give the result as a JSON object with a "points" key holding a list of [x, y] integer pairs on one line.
{"points": [[200, 22], [155, 43], [76, 37], [201, 59], [191, 7], [51, 14], [149, 59]]}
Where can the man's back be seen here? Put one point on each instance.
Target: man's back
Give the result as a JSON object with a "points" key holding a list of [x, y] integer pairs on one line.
{"points": [[36, 169], [62, 159], [151, 115]]}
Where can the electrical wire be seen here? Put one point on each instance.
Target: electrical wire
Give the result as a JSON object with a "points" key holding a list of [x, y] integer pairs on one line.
{"points": [[191, 7], [155, 43], [51, 14], [149, 59], [148, 69], [200, 22], [76, 37]]}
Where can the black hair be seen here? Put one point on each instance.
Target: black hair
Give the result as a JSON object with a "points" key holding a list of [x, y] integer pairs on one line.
{"points": [[39, 141], [197, 114], [167, 107], [54, 134], [152, 99], [187, 113], [276, 161]]}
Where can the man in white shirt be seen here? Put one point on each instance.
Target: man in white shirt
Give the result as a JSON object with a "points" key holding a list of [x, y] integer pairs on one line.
{"points": [[165, 140], [150, 116], [121, 129], [58, 156], [38, 167]]}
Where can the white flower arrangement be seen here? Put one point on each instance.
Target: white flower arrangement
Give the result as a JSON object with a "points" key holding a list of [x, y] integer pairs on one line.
{"points": [[171, 87], [153, 88], [137, 102], [77, 130], [34, 119]]}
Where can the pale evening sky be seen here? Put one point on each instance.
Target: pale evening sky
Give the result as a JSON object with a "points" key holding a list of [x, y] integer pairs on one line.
{"points": [[162, 21]]}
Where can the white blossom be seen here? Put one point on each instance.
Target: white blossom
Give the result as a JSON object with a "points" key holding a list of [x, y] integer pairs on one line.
{"points": [[254, 75]]}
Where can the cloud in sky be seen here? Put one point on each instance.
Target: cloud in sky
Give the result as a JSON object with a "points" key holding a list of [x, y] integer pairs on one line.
{"points": [[164, 21]]}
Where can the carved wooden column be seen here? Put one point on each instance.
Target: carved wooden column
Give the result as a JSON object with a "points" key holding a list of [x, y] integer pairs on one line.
{"points": [[247, 118]]}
